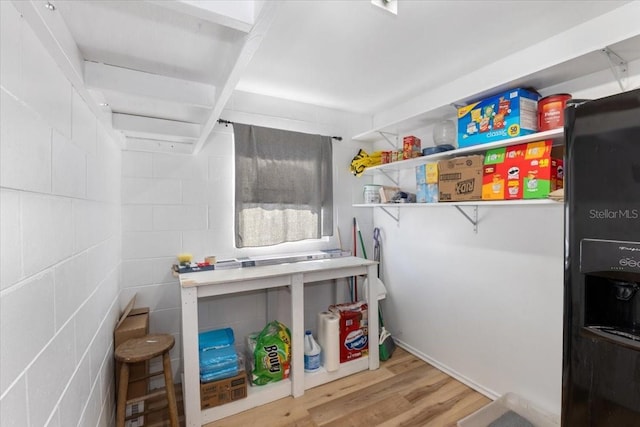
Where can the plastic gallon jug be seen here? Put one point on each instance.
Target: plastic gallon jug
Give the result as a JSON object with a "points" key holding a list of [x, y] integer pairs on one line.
{"points": [[311, 353]]}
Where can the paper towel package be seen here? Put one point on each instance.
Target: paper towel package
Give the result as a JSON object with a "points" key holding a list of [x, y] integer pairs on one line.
{"points": [[329, 340], [354, 332]]}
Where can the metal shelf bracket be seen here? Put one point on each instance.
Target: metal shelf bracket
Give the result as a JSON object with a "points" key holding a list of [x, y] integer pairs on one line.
{"points": [[472, 219], [389, 177], [386, 135], [395, 218], [619, 67]]}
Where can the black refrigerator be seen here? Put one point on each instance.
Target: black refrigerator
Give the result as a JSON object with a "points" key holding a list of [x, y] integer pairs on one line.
{"points": [[601, 357]]}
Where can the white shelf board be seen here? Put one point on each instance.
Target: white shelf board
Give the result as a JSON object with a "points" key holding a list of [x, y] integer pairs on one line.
{"points": [[424, 119], [439, 103], [256, 396], [314, 379], [553, 134], [529, 202]]}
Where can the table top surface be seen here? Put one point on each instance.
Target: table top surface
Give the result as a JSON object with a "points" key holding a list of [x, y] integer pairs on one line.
{"points": [[212, 277]]}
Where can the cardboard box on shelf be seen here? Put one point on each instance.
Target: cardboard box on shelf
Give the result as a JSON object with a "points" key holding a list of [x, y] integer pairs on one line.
{"points": [[387, 192], [542, 167], [460, 179], [223, 391], [427, 183], [506, 115], [427, 193], [557, 171], [523, 171], [427, 173], [411, 147], [133, 323]]}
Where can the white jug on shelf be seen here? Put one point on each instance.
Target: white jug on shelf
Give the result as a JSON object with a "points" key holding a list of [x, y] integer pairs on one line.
{"points": [[312, 352]]}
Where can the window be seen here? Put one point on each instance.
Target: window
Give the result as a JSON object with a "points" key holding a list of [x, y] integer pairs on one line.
{"points": [[284, 186]]}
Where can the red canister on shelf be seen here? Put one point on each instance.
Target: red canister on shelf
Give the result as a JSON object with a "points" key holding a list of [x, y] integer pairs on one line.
{"points": [[551, 111]]}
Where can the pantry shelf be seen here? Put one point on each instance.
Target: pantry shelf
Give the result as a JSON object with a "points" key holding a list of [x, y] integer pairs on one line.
{"points": [[472, 218], [557, 135], [547, 202], [291, 276]]}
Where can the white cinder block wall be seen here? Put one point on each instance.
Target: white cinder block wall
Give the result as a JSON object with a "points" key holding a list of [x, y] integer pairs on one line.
{"points": [[174, 203], [60, 233]]}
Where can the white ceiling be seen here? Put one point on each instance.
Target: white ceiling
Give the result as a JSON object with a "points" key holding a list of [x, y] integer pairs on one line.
{"points": [[166, 68], [353, 56]]}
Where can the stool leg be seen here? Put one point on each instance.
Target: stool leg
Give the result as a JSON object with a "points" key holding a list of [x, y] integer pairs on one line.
{"points": [[122, 394], [171, 393]]}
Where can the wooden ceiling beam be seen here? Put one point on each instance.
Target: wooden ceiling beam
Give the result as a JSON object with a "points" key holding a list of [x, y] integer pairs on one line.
{"points": [[239, 15], [54, 35], [250, 44], [153, 86], [149, 127]]}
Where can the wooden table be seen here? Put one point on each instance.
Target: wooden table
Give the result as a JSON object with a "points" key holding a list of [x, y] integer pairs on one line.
{"points": [[294, 276]]}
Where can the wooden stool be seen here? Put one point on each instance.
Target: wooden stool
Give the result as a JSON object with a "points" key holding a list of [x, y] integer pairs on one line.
{"points": [[140, 350]]}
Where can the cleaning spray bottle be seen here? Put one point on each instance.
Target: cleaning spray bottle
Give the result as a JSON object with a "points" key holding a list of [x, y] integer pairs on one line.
{"points": [[311, 353]]}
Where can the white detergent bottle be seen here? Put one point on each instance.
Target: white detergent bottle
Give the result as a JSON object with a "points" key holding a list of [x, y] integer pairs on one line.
{"points": [[311, 353]]}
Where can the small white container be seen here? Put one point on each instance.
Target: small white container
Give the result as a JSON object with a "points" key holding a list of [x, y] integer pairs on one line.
{"points": [[444, 132], [312, 352], [371, 193]]}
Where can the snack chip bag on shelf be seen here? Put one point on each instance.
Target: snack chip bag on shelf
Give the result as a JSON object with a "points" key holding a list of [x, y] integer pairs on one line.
{"points": [[362, 160]]}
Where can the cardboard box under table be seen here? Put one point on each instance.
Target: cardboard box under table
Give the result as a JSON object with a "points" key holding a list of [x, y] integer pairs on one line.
{"points": [[134, 323], [460, 179], [223, 391]]}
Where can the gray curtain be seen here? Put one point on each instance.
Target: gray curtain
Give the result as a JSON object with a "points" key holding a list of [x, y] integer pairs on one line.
{"points": [[284, 187]]}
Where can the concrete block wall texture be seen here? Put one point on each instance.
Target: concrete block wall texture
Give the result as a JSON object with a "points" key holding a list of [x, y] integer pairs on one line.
{"points": [[170, 204], [85, 225], [174, 203], [60, 242]]}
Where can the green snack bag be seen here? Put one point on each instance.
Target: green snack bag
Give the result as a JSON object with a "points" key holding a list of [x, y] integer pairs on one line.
{"points": [[272, 354]]}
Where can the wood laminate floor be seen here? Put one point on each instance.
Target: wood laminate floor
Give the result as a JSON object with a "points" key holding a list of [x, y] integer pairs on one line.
{"points": [[405, 391]]}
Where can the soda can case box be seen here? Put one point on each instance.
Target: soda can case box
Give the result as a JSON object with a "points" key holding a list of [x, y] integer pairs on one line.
{"points": [[354, 331], [506, 115], [427, 173], [427, 193], [523, 171], [460, 179]]}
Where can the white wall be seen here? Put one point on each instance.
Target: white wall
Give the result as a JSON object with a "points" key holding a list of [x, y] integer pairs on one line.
{"points": [[60, 229], [486, 307], [174, 203]]}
